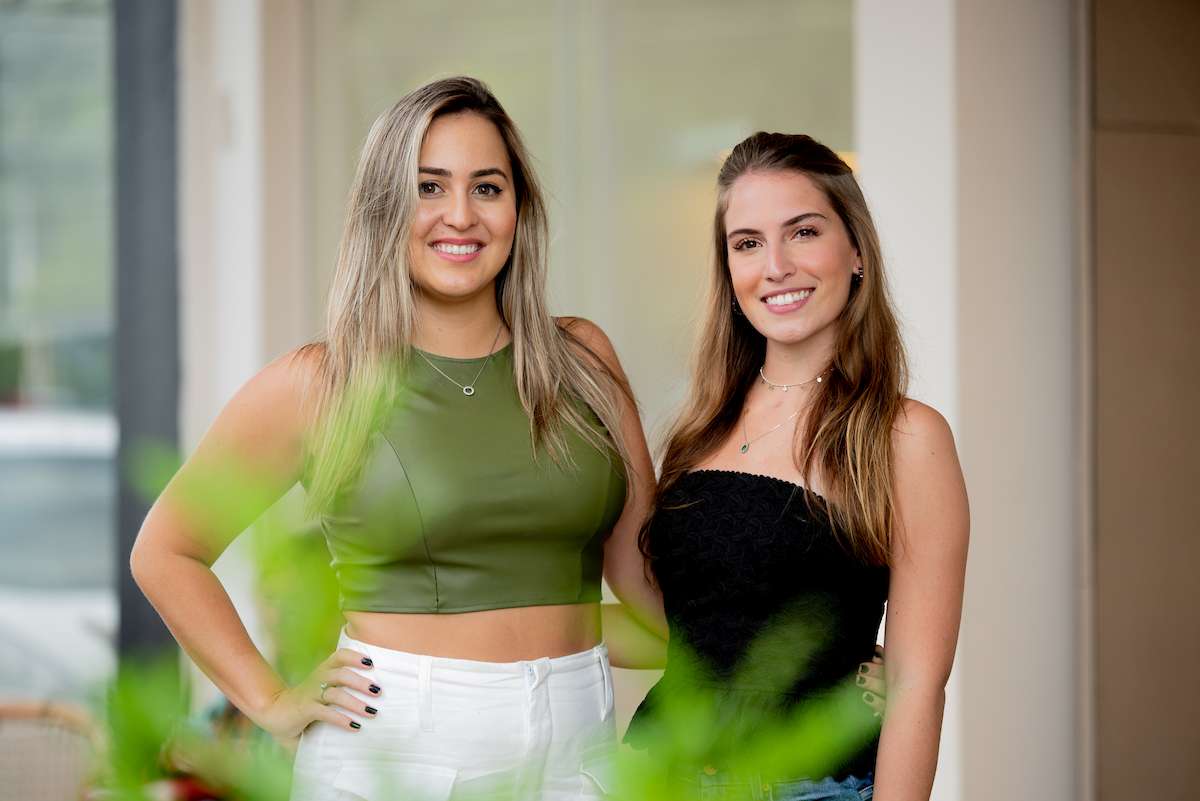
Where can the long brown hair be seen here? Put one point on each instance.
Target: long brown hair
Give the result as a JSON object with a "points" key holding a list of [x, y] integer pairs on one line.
{"points": [[372, 311], [847, 438]]}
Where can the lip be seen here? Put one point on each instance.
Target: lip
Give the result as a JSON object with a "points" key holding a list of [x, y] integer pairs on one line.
{"points": [[457, 258], [789, 307], [449, 240]]}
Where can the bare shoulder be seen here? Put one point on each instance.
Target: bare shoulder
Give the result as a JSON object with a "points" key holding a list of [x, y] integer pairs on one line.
{"points": [[920, 431], [278, 402], [933, 518], [592, 337], [301, 370], [930, 488], [585, 331]]}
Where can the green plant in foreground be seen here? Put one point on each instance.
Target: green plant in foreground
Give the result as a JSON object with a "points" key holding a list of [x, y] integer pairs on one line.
{"points": [[151, 737]]}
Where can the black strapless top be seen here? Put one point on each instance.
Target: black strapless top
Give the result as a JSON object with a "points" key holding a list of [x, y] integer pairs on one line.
{"points": [[767, 610]]}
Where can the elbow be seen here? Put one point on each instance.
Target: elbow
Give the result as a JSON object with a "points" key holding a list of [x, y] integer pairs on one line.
{"points": [[920, 681], [146, 558], [139, 563], [926, 691]]}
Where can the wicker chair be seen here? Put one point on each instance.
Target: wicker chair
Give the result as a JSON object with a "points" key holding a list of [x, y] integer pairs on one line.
{"points": [[46, 752]]}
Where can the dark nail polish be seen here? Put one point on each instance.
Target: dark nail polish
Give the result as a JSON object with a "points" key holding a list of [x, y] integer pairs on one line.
{"points": [[354, 724], [862, 668], [371, 710], [374, 688], [861, 681], [366, 660], [868, 697]]}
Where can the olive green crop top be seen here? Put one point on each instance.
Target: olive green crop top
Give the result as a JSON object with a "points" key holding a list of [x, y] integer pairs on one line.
{"points": [[452, 512]]}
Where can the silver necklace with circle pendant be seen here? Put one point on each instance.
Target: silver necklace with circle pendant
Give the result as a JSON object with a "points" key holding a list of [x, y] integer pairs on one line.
{"points": [[467, 389]]}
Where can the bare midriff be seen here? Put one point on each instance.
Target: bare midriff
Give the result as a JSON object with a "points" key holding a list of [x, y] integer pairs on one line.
{"points": [[492, 635]]}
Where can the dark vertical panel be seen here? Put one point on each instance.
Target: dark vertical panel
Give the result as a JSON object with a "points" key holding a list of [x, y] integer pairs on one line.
{"points": [[147, 331], [1147, 447]]}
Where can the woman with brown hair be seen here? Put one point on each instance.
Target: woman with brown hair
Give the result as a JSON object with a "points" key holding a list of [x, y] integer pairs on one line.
{"points": [[800, 491]]}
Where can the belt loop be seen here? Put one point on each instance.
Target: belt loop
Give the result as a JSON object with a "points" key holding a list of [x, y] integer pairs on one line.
{"points": [[606, 681], [425, 693]]}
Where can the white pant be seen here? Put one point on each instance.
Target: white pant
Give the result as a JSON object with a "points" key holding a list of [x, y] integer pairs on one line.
{"points": [[460, 729]]}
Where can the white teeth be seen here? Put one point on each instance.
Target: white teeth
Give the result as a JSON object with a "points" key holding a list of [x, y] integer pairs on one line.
{"points": [[457, 250], [788, 297]]}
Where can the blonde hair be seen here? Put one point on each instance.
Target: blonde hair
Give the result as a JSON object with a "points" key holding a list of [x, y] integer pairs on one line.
{"points": [[847, 438], [371, 314]]}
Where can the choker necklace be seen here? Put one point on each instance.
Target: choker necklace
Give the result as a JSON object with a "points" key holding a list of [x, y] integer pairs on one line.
{"points": [[746, 436], [467, 389], [785, 387]]}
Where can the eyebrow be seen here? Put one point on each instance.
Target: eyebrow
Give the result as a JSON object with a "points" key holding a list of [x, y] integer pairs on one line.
{"points": [[798, 218], [477, 174]]}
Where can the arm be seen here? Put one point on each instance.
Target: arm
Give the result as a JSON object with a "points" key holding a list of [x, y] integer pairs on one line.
{"points": [[929, 555], [630, 629], [631, 644], [251, 455]]}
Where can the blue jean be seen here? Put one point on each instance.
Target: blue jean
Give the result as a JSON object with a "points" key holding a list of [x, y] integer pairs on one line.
{"points": [[710, 785]]}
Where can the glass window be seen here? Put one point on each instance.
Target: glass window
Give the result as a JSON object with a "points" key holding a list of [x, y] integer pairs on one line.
{"points": [[628, 108], [57, 430]]}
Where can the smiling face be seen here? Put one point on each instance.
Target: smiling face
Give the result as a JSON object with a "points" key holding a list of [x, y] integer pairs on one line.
{"points": [[790, 257], [463, 229]]}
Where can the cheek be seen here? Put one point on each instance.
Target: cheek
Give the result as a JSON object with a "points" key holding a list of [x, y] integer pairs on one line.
{"points": [[744, 277], [832, 261], [502, 222], [422, 224]]}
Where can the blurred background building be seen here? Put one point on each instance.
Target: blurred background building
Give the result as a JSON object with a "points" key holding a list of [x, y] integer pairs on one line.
{"points": [[172, 181]]}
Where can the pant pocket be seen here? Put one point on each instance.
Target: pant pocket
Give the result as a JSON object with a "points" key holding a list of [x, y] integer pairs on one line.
{"points": [[822, 790], [385, 782], [598, 770]]}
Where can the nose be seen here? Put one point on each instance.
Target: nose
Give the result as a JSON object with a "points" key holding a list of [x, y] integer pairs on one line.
{"points": [[778, 267], [459, 214]]}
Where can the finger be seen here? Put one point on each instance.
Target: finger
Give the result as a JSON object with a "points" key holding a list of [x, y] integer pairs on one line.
{"points": [[333, 717], [878, 653], [876, 686], [343, 699], [870, 669], [875, 702], [345, 677], [344, 657]]}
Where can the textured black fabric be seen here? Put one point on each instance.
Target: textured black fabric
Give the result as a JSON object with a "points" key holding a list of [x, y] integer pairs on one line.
{"points": [[767, 609]]}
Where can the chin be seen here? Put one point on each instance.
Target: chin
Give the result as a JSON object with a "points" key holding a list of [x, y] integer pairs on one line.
{"points": [[454, 287], [788, 335], [453, 292]]}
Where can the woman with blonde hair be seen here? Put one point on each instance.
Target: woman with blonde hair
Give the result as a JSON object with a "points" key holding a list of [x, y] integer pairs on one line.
{"points": [[800, 491], [476, 465]]}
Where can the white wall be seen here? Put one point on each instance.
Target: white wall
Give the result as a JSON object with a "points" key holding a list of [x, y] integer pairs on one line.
{"points": [[906, 137], [221, 252], [964, 117]]}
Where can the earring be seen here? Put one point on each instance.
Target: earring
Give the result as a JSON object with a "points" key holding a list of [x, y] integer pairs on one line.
{"points": [[856, 277], [736, 308]]}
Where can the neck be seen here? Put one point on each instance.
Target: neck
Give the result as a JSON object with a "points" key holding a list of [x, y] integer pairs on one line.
{"points": [[463, 329], [798, 362]]}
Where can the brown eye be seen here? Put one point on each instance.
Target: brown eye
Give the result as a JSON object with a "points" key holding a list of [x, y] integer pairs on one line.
{"points": [[427, 187]]}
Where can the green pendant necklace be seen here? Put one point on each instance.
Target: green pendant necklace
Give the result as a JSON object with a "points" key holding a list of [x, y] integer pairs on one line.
{"points": [[748, 441]]}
